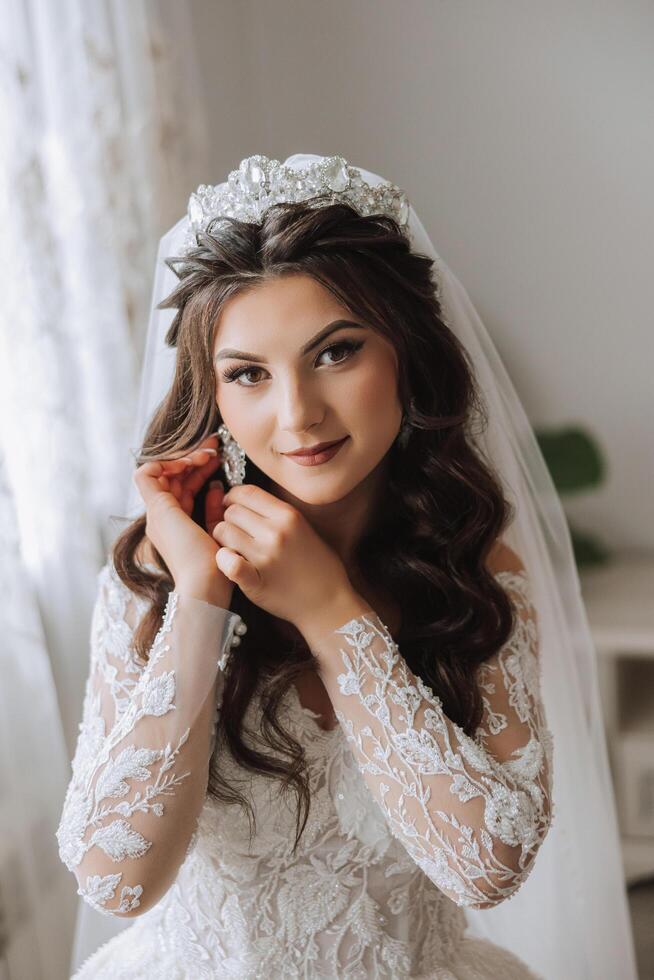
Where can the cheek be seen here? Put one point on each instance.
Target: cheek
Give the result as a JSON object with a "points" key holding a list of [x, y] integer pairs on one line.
{"points": [[228, 402], [372, 394]]}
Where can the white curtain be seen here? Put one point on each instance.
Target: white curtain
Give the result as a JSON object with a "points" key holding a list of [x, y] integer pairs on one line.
{"points": [[101, 129]]}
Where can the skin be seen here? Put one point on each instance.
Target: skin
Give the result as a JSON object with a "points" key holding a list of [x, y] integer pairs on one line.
{"points": [[289, 549], [294, 401]]}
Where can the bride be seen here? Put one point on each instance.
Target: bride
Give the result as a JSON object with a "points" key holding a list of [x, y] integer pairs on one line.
{"points": [[331, 663]]}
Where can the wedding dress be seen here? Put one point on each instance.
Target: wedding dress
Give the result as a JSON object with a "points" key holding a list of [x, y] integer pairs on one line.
{"points": [[387, 862], [419, 839]]}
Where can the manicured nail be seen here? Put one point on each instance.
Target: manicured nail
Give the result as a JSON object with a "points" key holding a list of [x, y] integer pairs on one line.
{"points": [[216, 484]]}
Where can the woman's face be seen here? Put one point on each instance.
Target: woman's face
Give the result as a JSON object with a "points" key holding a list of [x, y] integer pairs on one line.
{"points": [[284, 399]]}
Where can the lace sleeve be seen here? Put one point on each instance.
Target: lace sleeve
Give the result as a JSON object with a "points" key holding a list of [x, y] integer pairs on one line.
{"points": [[140, 769], [471, 812]]}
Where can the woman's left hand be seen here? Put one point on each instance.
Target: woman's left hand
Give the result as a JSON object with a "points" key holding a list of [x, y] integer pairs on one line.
{"points": [[275, 557]]}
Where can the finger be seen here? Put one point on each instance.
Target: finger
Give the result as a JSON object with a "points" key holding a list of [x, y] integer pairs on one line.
{"points": [[192, 478], [187, 500], [236, 568], [231, 536], [146, 478], [197, 466], [229, 562], [200, 456], [226, 561], [212, 441], [186, 485], [258, 500], [197, 457], [175, 465], [213, 509], [153, 477], [248, 520], [189, 472], [195, 477]]}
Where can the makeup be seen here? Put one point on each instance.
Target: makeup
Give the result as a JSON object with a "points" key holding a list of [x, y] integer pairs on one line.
{"points": [[322, 457]]}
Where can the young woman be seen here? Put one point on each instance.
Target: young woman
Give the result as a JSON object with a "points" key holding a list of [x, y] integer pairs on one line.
{"points": [[313, 732]]}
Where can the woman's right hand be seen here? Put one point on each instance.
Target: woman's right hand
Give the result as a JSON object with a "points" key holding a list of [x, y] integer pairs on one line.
{"points": [[168, 488]]}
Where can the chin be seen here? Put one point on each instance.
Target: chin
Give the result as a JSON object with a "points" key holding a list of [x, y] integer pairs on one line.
{"points": [[316, 492], [317, 495], [321, 499]]}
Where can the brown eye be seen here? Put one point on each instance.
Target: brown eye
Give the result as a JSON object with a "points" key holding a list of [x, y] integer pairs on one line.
{"points": [[235, 373], [345, 345]]}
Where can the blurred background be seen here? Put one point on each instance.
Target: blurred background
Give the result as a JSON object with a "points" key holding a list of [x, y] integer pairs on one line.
{"points": [[522, 133]]}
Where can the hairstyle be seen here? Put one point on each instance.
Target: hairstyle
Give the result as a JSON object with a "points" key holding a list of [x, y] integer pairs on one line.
{"points": [[445, 507]]}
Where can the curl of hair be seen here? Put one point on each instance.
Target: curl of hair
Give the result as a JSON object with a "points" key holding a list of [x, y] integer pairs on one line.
{"points": [[444, 509]]}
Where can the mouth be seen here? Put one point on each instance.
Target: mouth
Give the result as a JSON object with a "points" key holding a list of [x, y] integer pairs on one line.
{"points": [[315, 455], [318, 448]]}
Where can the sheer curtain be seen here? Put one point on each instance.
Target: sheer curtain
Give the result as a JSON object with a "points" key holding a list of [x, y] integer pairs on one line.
{"points": [[101, 125]]}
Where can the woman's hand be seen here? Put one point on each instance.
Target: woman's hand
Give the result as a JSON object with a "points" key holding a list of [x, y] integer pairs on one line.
{"points": [[168, 488], [274, 555]]}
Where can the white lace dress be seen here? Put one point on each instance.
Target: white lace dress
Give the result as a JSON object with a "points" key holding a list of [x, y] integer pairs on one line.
{"points": [[411, 820]]}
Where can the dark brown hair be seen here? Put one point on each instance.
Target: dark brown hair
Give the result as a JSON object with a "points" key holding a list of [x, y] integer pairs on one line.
{"points": [[445, 508]]}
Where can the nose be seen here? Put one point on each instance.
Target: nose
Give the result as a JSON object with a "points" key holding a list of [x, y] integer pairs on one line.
{"points": [[299, 412]]}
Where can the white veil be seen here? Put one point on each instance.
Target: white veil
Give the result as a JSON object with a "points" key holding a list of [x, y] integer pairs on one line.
{"points": [[570, 918]]}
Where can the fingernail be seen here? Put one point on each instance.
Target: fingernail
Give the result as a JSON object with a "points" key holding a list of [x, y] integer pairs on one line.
{"points": [[216, 484]]}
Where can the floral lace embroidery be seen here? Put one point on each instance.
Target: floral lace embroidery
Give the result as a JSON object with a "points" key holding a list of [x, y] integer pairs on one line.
{"points": [[114, 778], [418, 764], [351, 902]]}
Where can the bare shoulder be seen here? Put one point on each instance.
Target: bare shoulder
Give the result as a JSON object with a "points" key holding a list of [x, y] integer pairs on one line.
{"points": [[502, 558]]}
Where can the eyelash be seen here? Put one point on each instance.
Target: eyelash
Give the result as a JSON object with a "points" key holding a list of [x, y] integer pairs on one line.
{"points": [[352, 346]]}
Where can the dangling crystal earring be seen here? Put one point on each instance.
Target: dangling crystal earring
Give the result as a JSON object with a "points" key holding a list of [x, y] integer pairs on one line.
{"points": [[233, 457], [404, 434]]}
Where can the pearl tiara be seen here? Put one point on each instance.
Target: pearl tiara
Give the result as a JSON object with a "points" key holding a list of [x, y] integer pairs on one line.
{"points": [[260, 182]]}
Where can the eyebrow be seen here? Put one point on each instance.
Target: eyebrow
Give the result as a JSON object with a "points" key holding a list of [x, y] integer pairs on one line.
{"points": [[314, 342]]}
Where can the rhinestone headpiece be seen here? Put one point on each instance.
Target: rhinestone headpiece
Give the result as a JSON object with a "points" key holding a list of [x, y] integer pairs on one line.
{"points": [[260, 182]]}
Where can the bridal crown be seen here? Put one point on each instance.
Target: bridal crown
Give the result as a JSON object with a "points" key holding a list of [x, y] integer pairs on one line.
{"points": [[260, 182]]}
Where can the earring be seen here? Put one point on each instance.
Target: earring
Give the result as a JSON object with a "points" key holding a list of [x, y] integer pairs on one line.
{"points": [[233, 457], [404, 434]]}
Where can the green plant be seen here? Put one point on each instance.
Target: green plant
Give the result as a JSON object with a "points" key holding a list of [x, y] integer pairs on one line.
{"points": [[576, 464]]}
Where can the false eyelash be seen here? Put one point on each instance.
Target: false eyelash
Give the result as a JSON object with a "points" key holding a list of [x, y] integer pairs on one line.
{"points": [[352, 346]]}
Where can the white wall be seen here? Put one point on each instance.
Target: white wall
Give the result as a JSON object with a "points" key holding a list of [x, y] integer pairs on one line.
{"points": [[523, 133]]}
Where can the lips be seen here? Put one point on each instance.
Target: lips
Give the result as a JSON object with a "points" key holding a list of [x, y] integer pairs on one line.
{"points": [[319, 447]]}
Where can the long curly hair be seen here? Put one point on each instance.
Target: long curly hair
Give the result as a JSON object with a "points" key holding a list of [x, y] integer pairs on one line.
{"points": [[444, 506]]}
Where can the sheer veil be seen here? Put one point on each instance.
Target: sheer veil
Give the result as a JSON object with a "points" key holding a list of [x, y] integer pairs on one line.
{"points": [[570, 917]]}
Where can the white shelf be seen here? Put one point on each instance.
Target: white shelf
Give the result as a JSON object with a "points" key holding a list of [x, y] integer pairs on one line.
{"points": [[619, 601]]}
